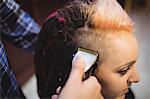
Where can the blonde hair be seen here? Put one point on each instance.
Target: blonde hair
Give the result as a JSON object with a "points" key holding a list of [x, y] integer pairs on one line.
{"points": [[110, 16], [106, 18]]}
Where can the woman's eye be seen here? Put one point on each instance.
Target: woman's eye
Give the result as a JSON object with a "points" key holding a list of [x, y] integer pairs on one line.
{"points": [[124, 71]]}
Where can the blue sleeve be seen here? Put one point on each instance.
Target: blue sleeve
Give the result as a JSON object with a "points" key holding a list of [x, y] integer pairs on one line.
{"points": [[17, 26]]}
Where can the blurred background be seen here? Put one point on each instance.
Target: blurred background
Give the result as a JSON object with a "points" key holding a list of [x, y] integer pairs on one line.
{"points": [[22, 62]]}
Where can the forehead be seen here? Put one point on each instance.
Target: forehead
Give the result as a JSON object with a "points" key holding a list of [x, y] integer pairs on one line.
{"points": [[122, 49]]}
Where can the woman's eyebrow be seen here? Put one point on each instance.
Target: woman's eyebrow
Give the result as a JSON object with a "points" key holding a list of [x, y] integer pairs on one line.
{"points": [[128, 64]]}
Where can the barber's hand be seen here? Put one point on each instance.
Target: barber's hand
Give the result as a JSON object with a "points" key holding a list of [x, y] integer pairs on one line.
{"points": [[75, 88]]}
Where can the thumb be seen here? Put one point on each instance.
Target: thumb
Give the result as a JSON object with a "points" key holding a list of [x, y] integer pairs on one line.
{"points": [[77, 70]]}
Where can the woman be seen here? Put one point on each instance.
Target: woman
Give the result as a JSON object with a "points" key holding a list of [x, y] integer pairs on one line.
{"points": [[101, 26]]}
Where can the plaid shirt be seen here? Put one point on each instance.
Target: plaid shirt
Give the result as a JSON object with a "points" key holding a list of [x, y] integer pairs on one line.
{"points": [[19, 28]]}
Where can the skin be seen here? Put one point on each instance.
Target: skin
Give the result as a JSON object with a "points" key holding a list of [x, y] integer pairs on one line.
{"points": [[118, 70]]}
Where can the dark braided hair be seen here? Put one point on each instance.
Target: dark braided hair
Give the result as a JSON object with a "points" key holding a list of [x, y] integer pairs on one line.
{"points": [[55, 46]]}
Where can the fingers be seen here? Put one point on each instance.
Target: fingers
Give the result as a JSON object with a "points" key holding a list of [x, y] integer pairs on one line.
{"points": [[77, 70], [92, 83], [58, 90], [54, 97], [57, 93]]}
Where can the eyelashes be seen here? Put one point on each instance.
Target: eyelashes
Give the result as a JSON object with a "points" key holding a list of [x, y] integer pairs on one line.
{"points": [[124, 71], [126, 68]]}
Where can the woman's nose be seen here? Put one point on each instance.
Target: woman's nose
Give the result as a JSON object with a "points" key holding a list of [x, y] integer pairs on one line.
{"points": [[134, 76]]}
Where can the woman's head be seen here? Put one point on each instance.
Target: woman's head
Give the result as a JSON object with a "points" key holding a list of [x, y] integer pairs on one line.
{"points": [[101, 26]]}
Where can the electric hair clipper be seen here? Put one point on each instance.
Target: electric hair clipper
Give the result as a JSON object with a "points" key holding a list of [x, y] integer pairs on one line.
{"points": [[90, 58]]}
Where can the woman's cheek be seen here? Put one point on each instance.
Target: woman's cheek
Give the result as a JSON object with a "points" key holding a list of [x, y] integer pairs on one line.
{"points": [[113, 86]]}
